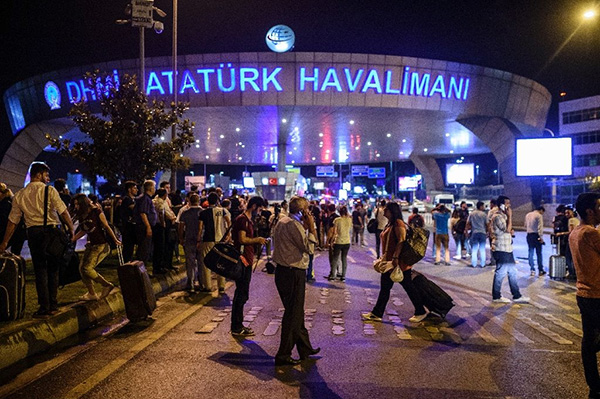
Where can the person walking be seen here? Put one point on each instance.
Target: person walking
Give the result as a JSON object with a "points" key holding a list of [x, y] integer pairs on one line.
{"points": [[93, 223], [477, 232], [441, 215], [341, 239], [584, 241], [534, 222], [244, 234], [29, 204], [502, 232], [392, 240], [188, 229], [292, 237]]}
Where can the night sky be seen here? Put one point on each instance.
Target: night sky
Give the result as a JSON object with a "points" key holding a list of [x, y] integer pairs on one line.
{"points": [[519, 36]]}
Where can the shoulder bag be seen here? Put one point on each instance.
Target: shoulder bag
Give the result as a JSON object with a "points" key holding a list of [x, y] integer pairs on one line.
{"points": [[55, 239], [373, 224], [415, 246], [224, 259]]}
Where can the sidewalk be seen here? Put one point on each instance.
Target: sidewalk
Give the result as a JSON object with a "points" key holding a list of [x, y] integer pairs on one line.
{"points": [[26, 337]]}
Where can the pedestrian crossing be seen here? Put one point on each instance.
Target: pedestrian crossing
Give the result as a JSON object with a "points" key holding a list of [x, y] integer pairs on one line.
{"points": [[332, 311]]}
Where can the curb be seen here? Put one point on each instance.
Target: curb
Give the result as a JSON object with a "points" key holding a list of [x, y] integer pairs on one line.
{"points": [[38, 336]]}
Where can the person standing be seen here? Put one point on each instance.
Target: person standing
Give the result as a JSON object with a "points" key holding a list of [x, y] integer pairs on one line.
{"points": [[381, 223], [341, 238], [491, 213], [61, 186], [292, 238], [211, 228], [93, 223], [584, 241], [416, 220], [573, 222], [162, 258], [477, 230], [188, 229], [244, 234], [441, 215], [126, 209], [145, 217], [357, 224], [29, 203], [534, 222], [393, 238], [502, 232]]}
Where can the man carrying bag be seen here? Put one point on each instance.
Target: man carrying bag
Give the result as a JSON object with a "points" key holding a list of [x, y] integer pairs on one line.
{"points": [[29, 203]]}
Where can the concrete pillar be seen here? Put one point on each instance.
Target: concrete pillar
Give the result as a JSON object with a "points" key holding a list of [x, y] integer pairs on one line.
{"points": [[430, 171], [500, 135], [282, 139]]}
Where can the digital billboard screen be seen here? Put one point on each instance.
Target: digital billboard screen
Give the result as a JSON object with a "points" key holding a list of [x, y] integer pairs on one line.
{"points": [[409, 183], [460, 173], [544, 156]]}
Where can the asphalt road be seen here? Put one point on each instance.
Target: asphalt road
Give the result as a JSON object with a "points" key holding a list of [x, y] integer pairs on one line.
{"points": [[481, 350]]}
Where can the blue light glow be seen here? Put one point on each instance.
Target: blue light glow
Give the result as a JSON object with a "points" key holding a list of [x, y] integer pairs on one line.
{"points": [[17, 121]]}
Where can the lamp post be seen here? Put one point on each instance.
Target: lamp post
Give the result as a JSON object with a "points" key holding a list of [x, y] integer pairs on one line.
{"points": [[173, 180]]}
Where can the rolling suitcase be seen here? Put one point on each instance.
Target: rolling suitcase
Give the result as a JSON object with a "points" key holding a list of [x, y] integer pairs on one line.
{"points": [[136, 289], [558, 264], [434, 298], [12, 287]]}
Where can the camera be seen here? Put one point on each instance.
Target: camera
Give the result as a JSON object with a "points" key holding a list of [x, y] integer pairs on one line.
{"points": [[159, 27]]}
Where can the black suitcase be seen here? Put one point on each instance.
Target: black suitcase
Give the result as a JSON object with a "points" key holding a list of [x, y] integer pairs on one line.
{"points": [[12, 287], [137, 291], [434, 298]]}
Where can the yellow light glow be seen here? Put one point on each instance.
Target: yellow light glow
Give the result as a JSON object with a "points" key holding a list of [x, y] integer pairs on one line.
{"points": [[589, 14]]}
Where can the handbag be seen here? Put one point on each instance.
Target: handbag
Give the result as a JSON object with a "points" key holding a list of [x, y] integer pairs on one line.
{"points": [[397, 275], [373, 224], [382, 266], [415, 246], [225, 260], [55, 239]]}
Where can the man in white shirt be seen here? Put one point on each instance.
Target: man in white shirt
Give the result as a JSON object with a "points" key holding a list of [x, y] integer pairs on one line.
{"points": [[534, 221], [29, 203]]}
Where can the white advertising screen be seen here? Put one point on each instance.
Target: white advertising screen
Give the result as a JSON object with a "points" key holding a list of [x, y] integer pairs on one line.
{"points": [[249, 182], [319, 185], [409, 183], [545, 157], [460, 173]]}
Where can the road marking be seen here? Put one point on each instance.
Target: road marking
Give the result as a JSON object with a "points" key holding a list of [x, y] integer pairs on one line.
{"points": [[145, 340], [351, 259], [550, 334], [477, 328], [563, 324], [557, 303], [509, 327], [457, 300]]}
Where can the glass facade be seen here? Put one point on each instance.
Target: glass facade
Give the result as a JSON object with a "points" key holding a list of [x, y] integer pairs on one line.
{"points": [[582, 115]]}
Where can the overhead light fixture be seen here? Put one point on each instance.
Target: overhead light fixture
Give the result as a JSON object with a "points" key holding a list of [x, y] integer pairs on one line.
{"points": [[327, 151], [451, 151], [369, 143], [222, 136], [290, 153], [293, 161], [163, 138], [401, 152], [218, 150], [404, 140], [197, 141], [197, 145], [237, 129], [295, 148], [425, 149], [389, 135], [320, 134], [357, 148], [313, 158], [296, 129], [447, 134], [284, 120], [378, 155], [351, 122], [207, 157]]}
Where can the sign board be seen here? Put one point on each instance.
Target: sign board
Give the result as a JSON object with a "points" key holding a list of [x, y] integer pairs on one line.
{"points": [[326, 171], [141, 13], [376, 173], [273, 181], [199, 181], [360, 170]]}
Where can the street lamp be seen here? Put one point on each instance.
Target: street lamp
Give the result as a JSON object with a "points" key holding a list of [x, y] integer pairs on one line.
{"points": [[590, 14]]}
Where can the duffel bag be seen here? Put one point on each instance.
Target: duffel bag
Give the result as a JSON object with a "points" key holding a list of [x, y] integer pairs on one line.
{"points": [[224, 259], [415, 246]]}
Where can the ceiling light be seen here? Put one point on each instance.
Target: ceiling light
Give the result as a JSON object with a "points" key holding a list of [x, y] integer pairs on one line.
{"points": [[425, 149], [296, 129], [401, 152], [240, 158], [243, 145], [163, 138], [197, 145], [369, 143], [378, 155], [351, 122], [295, 148], [404, 140], [320, 134], [389, 135], [451, 151], [357, 148], [447, 134], [222, 136], [313, 158], [207, 157], [284, 120], [293, 161], [218, 150], [327, 151], [240, 143], [237, 129], [197, 141], [290, 153]]}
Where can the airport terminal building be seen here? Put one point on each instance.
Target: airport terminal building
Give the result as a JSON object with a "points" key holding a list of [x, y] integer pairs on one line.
{"points": [[308, 109]]}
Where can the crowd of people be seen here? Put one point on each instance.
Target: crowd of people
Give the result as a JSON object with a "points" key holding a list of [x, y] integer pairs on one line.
{"points": [[155, 223]]}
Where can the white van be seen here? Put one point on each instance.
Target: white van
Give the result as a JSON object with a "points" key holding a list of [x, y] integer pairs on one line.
{"points": [[446, 199]]}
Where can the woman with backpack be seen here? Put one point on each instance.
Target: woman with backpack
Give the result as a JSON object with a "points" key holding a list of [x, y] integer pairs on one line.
{"points": [[392, 240], [92, 222]]}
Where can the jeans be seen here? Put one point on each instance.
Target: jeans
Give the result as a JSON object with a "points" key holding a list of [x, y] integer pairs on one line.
{"points": [[505, 264], [358, 230], [590, 343], [129, 241], [459, 239], [378, 242], [339, 249], [478, 246], [384, 293], [534, 244], [442, 240], [240, 297], [310, 275], [204, 273], [46, 270], [191, 262], [92, 256]]}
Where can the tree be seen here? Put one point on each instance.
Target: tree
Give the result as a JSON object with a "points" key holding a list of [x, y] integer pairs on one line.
{"points": [[124, 143]]}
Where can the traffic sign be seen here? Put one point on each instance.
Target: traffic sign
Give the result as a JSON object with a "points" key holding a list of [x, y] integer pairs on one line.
{"points": [[376, 173], [360, 170], [141, 13], [326, 171]]}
